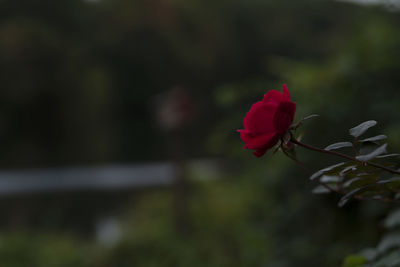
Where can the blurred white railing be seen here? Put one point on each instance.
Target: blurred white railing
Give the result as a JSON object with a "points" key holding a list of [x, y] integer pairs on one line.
{"points": [[113, 177]]}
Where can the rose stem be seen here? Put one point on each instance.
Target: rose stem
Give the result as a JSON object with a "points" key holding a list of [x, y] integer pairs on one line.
{"points": [[306, 170], [343, 156], [301, 165]]}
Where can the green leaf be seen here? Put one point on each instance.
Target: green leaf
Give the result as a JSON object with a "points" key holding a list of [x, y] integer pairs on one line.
{"points": [[369, 253], [389, 241], [374, 191], [374, 139], [387, 156], [310, 117], [299, 123], [362, 128], [367, 147], [321, 190], [354, 261], [393, 219], [392, 184], [363, 168], [380, 150], [347, 169], [358, 182], [349, 195], [329, 179], [322, 171], [391, 180], [389, 259], [351, 181], [338, 145]]}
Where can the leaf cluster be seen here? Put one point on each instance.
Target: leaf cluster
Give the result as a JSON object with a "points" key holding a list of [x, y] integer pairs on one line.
{"points": [[369, 174]]}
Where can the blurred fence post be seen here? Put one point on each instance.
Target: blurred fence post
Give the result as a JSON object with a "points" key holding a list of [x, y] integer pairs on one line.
{"points": [[175, 111]]}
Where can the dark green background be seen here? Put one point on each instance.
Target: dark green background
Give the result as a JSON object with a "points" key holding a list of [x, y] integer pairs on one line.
{"points": [[78, 84]]}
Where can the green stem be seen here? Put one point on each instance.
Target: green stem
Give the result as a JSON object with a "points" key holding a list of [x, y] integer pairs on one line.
{"points": [[343, 156], [294, 159]]}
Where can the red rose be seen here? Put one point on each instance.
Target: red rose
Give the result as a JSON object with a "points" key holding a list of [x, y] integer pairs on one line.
{"points": [[268, 121]]}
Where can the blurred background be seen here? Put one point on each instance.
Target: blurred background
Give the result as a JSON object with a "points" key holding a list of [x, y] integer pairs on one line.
{"points": [[118, 143]]}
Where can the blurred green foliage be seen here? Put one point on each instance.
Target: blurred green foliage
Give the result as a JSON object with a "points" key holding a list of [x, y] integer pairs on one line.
{"points": [[78, 81], [26, 249], [386, 252]]}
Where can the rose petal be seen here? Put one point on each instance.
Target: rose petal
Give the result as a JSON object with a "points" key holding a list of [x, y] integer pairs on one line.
{"points": [[267, 121], [286, 94], [261, 151], [259, 141], [245, 135], [284, 116], [259, 119], [273, 97]]}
